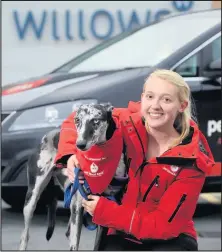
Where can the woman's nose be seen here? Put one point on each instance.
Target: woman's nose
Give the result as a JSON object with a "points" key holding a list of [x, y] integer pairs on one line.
{"points": [[155, 103]]}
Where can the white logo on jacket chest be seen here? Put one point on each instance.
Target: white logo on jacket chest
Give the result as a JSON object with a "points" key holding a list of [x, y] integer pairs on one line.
{"points": [[172, 169]]}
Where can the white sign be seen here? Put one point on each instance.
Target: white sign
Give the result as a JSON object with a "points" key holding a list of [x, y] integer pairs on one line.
{"points": [[37, 37], [213, 126]]}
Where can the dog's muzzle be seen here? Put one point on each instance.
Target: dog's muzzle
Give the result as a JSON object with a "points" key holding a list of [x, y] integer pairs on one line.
{"points": [[81, 144]]}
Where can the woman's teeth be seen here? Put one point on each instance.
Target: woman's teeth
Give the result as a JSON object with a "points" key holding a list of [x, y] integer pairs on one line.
{"points": [[155, 115]]}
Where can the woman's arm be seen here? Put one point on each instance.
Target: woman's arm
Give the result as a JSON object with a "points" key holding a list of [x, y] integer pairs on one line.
{"points": [[67, 141], [163, 223]]}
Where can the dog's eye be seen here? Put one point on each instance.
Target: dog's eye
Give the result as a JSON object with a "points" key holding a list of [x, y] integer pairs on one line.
{"points": [[96, 121], [76, 120]]}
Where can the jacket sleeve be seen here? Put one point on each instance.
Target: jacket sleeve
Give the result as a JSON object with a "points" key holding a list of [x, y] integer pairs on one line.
{"points": [[175, 210], [67, 140]]}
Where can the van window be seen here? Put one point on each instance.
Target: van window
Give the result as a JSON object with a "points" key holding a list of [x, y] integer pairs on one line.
{"points": [[192, 66], [144, 47], [215, 48]]}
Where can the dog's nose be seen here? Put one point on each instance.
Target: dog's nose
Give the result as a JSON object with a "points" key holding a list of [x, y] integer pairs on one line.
{"points": [[81, 145]]}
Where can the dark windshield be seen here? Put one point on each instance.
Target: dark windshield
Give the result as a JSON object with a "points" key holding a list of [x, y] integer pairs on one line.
{"points": [[144, 47]]}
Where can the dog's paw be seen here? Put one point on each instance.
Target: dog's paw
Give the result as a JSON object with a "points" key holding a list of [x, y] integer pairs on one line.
{"points": [[73, 248]]}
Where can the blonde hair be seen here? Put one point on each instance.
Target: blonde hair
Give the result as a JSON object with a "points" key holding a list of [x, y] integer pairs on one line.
{"points": [[184, 95]]}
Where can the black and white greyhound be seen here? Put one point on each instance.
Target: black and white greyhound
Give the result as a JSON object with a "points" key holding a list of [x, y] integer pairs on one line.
{"points": [[95, 126]]}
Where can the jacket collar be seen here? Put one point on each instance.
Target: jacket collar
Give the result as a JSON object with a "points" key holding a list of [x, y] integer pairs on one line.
{"points": [[186, 153]]}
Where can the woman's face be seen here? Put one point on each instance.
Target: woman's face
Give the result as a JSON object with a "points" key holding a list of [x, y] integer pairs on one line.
{"points": [[160, 103]]}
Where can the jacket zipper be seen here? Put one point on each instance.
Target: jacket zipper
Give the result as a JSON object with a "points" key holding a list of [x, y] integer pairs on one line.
{"points": [[154, 182], [138, 135], [178, 207], [131, 222]]}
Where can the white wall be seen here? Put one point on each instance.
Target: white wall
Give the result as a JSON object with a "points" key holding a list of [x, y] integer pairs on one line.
{"points": [[27, 57]]}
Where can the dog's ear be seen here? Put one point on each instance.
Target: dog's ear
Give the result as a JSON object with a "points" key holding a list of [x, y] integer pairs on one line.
{"points": [[109, 108], [56, 139]]}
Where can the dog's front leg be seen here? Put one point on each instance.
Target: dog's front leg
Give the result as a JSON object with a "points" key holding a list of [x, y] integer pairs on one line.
{"points": [[75, 221]]}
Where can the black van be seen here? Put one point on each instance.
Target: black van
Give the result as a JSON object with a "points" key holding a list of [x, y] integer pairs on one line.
{"points": [[189, 44]]}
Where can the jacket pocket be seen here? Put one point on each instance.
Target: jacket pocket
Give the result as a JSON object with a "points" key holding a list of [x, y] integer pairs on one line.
{"points": [[154, 182], [183, 198]]}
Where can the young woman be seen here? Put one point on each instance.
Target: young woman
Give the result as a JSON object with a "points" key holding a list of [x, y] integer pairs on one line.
{"points": [[168, 157]]}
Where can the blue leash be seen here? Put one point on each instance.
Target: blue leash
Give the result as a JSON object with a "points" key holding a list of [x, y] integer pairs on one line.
{"points": [[84, 191], [73, 187]]}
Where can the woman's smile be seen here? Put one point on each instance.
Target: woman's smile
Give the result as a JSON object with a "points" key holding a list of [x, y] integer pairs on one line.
{"points": [[155, 115]]}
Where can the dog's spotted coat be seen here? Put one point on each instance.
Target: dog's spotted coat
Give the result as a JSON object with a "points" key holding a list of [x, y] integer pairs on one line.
{"points": [[94, 126]]}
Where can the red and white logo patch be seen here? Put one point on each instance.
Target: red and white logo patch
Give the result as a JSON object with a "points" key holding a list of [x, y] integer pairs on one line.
{"points": [[172, 169], [94, 168]]}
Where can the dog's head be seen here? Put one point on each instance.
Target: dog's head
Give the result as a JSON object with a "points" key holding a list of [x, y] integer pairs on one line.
{"points": [[92, 121]]}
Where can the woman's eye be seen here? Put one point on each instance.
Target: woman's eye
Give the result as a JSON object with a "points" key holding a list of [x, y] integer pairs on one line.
{"points": [[149, 96], [167, 99]]}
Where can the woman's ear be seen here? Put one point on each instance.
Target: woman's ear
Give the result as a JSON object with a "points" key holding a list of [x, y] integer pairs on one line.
{"points": [[183, 106]]}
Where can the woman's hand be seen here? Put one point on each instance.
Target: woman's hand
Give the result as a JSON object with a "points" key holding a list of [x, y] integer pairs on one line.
{"points": [[90, 205], [71, 163]]}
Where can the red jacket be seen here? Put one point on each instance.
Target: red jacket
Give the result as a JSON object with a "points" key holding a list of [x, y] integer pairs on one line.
{"points": [[162, 192]]}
